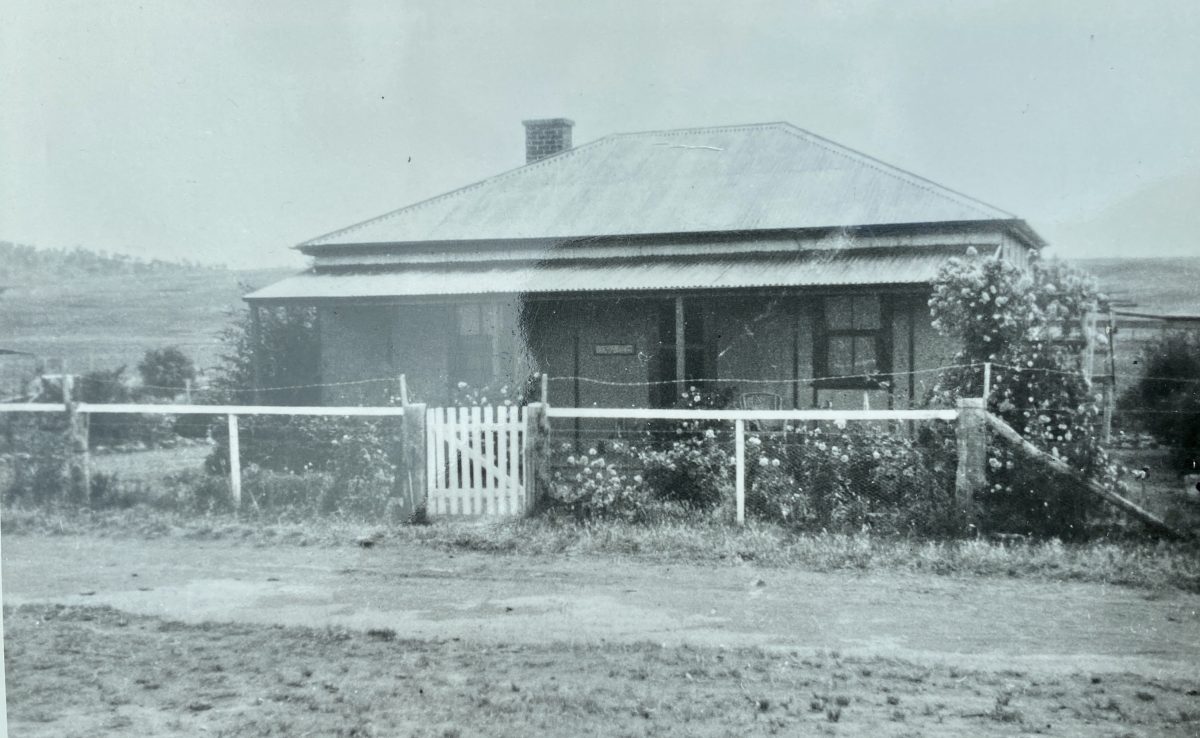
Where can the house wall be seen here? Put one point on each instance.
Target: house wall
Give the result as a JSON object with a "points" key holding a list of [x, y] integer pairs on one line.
{"points": [[933, 350], [564, 336], [768, 339], [761, 338], [421, 339], [356, 344]]}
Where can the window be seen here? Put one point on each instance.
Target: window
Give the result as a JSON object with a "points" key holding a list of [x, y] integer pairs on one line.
{"points": [[854, 346], [474, 360]]}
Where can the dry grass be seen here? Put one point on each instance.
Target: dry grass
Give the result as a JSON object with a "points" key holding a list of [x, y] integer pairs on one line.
{"points": [[98, 672], [1131, 563]]}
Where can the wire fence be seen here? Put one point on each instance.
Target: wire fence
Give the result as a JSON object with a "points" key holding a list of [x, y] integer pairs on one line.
{"points": [[832, 469], [288, 461], [842, 473]]}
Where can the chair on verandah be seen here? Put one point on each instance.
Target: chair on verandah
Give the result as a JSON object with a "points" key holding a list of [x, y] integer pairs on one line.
{"points": [[762, 401]]}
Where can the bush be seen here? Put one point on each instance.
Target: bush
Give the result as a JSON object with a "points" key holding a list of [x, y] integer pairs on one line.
{"points": [[1165, 402], [591, 486], [693, 469], [853, 479], [34, 454], [287, 351], [166, 372], [1029, 324], [686, 462]]}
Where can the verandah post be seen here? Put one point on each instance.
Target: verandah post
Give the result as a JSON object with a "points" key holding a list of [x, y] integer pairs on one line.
{"points": [[971, 434], [739, 451], [256, 354], [414, 487]]}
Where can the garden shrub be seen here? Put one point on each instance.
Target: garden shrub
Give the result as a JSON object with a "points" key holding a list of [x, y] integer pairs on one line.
{"points": [[166, 372], [689, 462], [351, 461], [33, 453], [667, 470], [1165, 401], [590, 484], [853, 478], [1029, 324]]}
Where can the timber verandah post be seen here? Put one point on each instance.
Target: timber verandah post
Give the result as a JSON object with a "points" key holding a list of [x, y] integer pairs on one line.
{"points": [[256, 351]]}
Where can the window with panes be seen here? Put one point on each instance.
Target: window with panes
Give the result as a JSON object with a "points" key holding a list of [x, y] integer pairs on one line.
{"points": [[852, 350], [475, 346]]}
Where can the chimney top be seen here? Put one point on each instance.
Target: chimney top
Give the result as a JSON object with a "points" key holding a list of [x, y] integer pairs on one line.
{"points": [[546, 137]]}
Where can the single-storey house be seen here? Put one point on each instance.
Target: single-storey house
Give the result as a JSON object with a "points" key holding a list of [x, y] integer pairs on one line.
{"points": [[762, 259]]}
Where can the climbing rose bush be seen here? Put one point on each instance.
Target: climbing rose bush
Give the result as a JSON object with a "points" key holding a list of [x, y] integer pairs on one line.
{"points": [[1030, 324]]}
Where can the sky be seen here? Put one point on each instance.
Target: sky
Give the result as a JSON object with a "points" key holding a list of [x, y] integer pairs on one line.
{"points": [[225, 131]]}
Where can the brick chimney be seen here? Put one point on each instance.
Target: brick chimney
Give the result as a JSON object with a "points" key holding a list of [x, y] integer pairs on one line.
{"points": [[546, 137]]}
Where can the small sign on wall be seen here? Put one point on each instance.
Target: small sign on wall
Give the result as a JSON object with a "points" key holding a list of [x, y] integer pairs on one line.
{"points": [[614, 349]]}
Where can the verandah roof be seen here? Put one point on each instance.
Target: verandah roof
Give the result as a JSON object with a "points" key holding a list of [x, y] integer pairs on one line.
{"points": [[804, 269]]}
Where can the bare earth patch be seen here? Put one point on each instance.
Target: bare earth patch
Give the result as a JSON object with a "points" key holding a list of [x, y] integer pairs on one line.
{"points": [[95, 671], [237, 637]]}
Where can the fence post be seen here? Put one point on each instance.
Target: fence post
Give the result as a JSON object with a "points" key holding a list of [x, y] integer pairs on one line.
{"points": [[77, 466], [739, 451], [235, 463], [414, 480], [537, 451], [971, 433]]}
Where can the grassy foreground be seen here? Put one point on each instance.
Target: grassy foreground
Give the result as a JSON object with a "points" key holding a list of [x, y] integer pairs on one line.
{"points": [[1129, 563], [98, 672]]}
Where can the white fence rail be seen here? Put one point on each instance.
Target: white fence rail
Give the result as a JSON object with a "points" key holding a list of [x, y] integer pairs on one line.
{"points": [[739, 418], [231, 411], [482, 461]]}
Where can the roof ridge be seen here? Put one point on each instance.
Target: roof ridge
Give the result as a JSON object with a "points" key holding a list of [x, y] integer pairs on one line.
{"points": [[526, 167], [866, 160], [697, 129], [457, 191], [934, 188]]}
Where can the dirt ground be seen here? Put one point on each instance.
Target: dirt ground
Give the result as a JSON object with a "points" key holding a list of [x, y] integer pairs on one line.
{"points": [[181, 637]]}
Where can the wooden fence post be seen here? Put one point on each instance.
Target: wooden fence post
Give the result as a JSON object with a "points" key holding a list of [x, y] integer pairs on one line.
{"points": [[77, 465], [739, 450], [537, 452], [971, 433], [235, 463], [414, 480]]}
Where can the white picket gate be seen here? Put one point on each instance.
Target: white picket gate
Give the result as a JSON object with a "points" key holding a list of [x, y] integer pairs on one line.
{"points": [[476, 460]]}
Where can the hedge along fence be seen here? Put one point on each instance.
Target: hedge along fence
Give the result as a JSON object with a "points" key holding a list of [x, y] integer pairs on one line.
{"points": [[787, 465]]}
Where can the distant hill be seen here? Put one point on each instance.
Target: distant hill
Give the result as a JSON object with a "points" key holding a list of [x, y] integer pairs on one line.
{"points": [[101, 311], [19, 262], [1160, 217], [1157, 285]]}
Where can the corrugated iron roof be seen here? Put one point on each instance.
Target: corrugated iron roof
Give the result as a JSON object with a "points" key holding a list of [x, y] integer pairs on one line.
{"points": [[803, 269], [740, 178]]}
